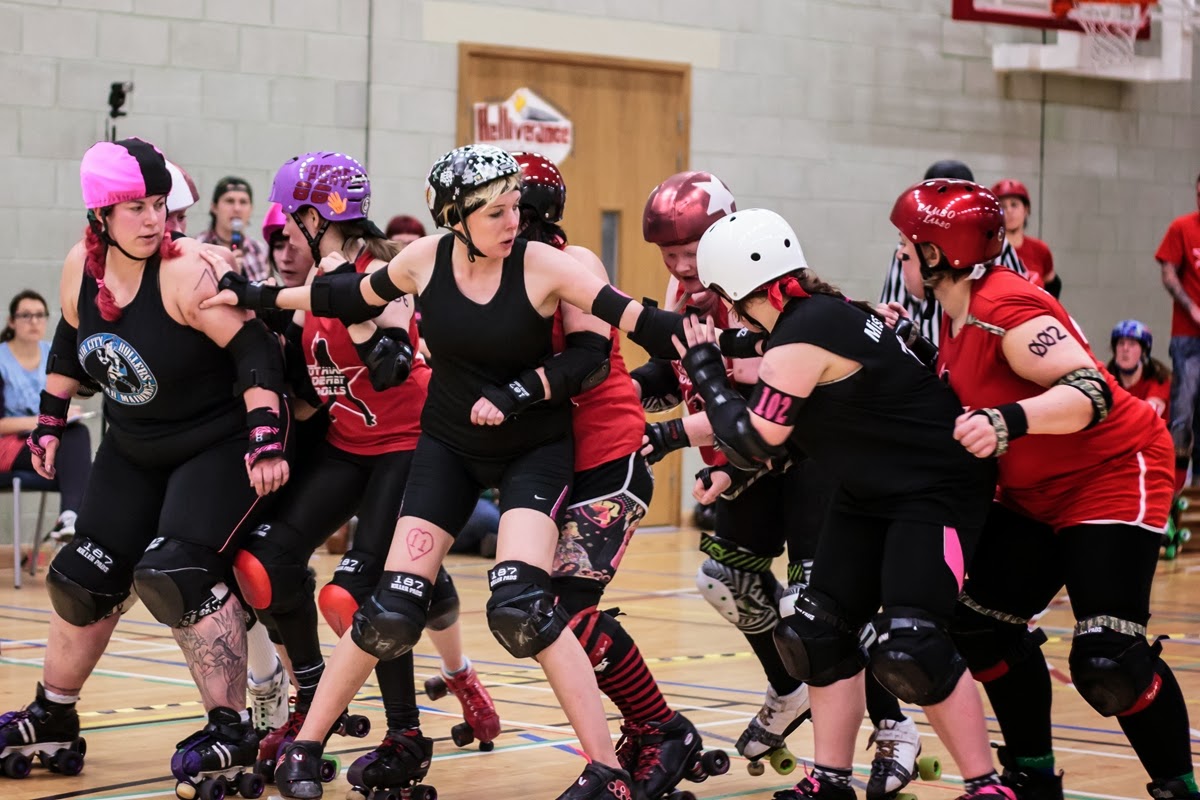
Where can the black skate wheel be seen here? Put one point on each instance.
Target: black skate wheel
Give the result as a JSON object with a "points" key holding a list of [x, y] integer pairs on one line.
{"points": [[487, 747], [212, 789], [47, 762], [436, 688], [266, 768], [423, 791], [330, 767], [251, 785], [462, 734], [80, 746], [755, 768], [389, 794], [68, 762], [681, 795], [17, 765], [715, 762], [357, 726]]}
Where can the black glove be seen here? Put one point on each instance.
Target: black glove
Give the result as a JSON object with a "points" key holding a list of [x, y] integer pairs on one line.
{"points": [[665, 437], [254, 295], [52, 418], [517, 395], [741, 342], [266, 436]]}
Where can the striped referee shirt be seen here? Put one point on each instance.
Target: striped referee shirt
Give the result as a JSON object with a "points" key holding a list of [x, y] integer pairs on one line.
{"points": [[928, 311]]}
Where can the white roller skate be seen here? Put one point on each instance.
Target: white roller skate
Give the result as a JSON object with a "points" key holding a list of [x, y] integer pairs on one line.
{"points": [[897, 759], [765, 736], [269, 700]]}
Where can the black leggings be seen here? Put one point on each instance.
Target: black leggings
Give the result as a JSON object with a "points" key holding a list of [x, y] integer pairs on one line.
{"points": [[73, 463]]}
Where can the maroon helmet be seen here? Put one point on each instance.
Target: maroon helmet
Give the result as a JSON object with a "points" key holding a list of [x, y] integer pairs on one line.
{"points": [[1011, 188], [543, 191], [962, 218], [681, 208]]}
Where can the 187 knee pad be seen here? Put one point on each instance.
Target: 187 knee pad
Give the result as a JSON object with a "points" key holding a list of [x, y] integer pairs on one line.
{"points": [[914, 657], [1116, 671], [270, 573], [86, 583], [180, 582], [354, 578], [389, 623], [816, 644], [522, 611], [739, 585], [992, 643], [443, 610]]}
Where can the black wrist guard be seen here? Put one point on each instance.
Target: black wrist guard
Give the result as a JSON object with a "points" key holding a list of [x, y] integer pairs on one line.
{"points": [[1008, 421], [517, 395], [254, 295], [741, 342], [52, 418], [266, 436], [665, 437], [654, 330]]}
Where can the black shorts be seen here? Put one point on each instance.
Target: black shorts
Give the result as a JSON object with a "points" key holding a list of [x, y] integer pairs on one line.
{"points": [[444, 485]]}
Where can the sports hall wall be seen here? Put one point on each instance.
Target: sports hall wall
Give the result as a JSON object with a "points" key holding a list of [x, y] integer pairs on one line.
{"points": [[820, 109]]}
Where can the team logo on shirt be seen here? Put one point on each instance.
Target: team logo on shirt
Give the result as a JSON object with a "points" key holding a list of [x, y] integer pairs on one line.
{"points": [[334, 381], [118, 368]]}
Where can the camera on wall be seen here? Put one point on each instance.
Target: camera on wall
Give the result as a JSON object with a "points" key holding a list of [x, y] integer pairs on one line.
{"points": [[118, 92]]}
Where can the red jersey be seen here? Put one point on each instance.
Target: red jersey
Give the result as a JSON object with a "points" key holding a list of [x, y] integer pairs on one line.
{"points": [[1118, 471], [362, 420], [691, 398], [607, 420], [1181, 246], [1036, 257], [1145, 389]]}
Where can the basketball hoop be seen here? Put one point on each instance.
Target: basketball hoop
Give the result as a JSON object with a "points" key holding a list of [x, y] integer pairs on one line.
{"points": [[1111, 26]]}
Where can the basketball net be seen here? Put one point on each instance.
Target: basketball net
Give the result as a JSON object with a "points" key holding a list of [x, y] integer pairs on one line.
{"points": [[1111, 29]]}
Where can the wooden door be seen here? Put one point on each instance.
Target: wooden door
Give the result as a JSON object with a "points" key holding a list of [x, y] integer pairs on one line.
{"points": [[630, 132]]}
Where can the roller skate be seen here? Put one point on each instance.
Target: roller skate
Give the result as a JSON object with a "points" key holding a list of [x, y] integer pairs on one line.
{"points": [[479, 713], [600, 782], [47, 730], [270, 750], [1176, 534], [302, 769], [897, 761], [394, 770], [218, 759], [810, 787], [1173, 789], [764, 736], [661, 754], [1029, 784], [993, 791], [269, 701]]}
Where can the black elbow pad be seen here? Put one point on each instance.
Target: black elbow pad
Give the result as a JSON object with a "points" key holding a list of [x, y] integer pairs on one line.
{"points": [[582, 365], [257, 357]]}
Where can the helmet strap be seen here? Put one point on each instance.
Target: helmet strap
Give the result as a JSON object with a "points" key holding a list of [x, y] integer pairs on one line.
{"points": [[464, 235], [314, 240], [101, 230]]}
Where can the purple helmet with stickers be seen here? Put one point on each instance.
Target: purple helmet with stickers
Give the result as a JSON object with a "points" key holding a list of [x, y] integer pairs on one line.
{"points": [[453, 176], [334, 184], [1133, 329]]}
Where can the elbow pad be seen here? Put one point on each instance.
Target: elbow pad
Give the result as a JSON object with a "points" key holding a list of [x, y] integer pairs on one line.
{"points": [[257, 357], [727, 411], [659, 384], [1091, 382], [388, 356], [339, 295], [63, 359], [581, 366]]}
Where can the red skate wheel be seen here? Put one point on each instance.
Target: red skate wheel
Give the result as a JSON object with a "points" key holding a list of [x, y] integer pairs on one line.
{"points": [[423, 791], [462, 734], [251, 785], [435, 688], [17, 765], [487, 747], [212, 789], [715, 762], [68, 762]]}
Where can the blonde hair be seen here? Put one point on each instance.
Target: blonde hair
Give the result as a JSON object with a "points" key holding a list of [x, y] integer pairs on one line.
{"points": [[479, 197], [380, 249]]}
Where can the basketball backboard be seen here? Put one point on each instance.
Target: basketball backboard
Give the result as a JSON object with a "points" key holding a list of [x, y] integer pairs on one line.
{"points": [[1026, 13]]}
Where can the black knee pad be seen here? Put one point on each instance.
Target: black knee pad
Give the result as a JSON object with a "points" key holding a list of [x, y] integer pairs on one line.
{"points": [[181, 583], [271, 574], [992, 646], [1116, 672], [359, 572], [86, 582], [914, 657], [443, 610], [816, 644], [522, 611], [606, 643], [389, 622], [577, 594]]}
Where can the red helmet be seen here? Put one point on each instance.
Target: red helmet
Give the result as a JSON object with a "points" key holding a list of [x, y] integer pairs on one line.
{"points": [[542, 188], [962, 218], [681, 208], [1011, 188]]}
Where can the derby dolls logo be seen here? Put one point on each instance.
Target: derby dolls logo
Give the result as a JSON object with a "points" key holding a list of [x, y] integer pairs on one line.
{"points": [[118, 368]]}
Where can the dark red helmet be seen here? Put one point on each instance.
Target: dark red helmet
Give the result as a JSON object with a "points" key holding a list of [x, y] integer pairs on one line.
{"points": [[962, 218], [1011, 188], [543, 191], [681, 208]]}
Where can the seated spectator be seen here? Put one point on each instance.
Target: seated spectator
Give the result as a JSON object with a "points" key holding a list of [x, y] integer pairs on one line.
{"points": [[1142, 376], [405, 230], [1034, 254], [229, 226], [23, 355]]}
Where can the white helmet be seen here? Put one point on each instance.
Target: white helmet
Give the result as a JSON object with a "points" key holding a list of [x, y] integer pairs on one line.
{"points": [[747, 249], [182, 195]]}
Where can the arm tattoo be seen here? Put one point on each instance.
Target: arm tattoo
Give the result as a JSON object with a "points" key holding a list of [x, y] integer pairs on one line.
{"points": [[210, 274], [1045, 339]]}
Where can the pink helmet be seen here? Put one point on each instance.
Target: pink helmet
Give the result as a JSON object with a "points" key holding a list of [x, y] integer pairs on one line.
{"points": [[116, 172], [273, 222]]}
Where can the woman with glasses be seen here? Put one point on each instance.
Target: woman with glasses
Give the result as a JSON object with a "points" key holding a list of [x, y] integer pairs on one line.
{"points": [[23, 354]]}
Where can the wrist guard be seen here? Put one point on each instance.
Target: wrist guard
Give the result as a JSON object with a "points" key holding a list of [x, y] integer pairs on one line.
{"points": [[517, 395], [665, 437], [52, 418], [254, 295], [266, 436]]}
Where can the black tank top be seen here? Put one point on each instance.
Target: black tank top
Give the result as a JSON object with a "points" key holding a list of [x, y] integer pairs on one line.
{"points": [[886, 431], [473, 345], [168, 389]]}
